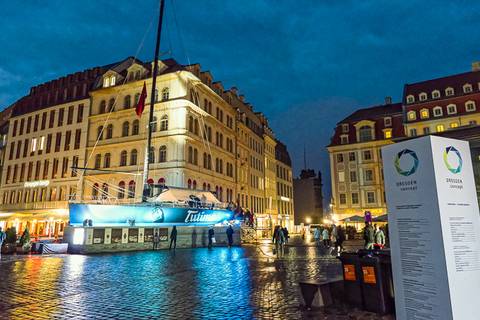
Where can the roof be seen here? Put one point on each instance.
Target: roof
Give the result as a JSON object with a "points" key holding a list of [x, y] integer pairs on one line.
{"points": [[374, 112], [354, 219], [184, 195]]}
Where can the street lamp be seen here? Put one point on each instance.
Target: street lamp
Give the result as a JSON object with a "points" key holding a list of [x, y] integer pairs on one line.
{"points": [[308, 220]]}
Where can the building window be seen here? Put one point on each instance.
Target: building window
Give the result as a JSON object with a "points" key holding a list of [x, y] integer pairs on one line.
{"points": [[449, 92], [365, 133], [131, 189], [98, 161], [454, 125], [162, 156], [411, 115], [437, 111], [410, 99], [100, 133], [164, 123], [426, 130], [353, 176], [103, 107], [440, 128], [422, 96], [424, 113], [367, 155], [435, 94], [106, 160], [472, 122], [111, 105], [351, 156], [121, 190], [165, 94], [123, 158], [153, 124], [339, 158], [343, 198], [388, 134], [127, 102], [69, 115], [387, 121], [470, 106], [343, 139], [79, 113], [95, 191], [413, 132], [125, 129], [370, 197], [467, 88], [345, 127], [451, 109], [368, 175], [133, 157], [135, 127], [354, 198]]}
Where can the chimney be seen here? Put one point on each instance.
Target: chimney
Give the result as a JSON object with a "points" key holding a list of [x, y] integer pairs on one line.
{"points": [[388, 100], [476, 66]]}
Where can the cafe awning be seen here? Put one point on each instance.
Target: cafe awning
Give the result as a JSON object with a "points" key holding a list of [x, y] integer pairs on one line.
{"points": [[353, 219]]}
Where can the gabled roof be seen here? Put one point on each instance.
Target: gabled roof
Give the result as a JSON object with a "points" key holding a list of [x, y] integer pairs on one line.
{"points": [[374, 112]]}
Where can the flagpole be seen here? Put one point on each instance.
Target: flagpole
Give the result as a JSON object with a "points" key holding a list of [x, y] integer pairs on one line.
{"points": [[146, 189]]}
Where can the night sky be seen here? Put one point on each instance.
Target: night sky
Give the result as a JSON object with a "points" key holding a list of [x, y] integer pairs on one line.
{"points": [[305, 64]]}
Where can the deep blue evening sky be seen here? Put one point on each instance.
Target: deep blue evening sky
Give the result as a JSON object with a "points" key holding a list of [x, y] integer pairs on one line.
{"points": [[305, 64]]}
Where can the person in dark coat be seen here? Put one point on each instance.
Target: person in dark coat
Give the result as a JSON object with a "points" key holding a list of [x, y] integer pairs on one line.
{"points": [[285, 233], [211, 235], [156, 240], [230, 236], [173, 238]]}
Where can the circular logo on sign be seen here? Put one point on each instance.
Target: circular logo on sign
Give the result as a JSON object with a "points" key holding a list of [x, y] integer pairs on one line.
{"points": [[411, 169], [453, 168]]}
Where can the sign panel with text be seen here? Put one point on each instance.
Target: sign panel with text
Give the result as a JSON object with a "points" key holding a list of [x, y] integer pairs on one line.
{"points": [[434, 228]]}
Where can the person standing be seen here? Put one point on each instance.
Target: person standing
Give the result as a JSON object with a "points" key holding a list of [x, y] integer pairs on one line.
{"points": [[317, 235], [379, 238], [173, 238], [3, 236], [325, 237], [230, 236], [279, 242], [275, 231], [340, 239], [369, 236], [211, 237], [285, 233], [156, 240]]}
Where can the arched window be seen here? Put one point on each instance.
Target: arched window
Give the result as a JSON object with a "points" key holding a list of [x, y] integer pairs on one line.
{"points": [[190, 124], [161, 181], [209, 187], [209, 162], [189, 184], [102, 107], [205, 159], [220, 194], [204, 187], [162, 156], [205, 104], [106, 160], [190, 155], [151, 156], [195, 126], [156, 95], [133, 157], [111, 104], [98, 161], [123, 158], [131, 189], [150, 181], [195, 156], [135, 127], [165, 94], [95, 191], [437, 111], [153, 124], [365, 133], [164, 123], [125, 129], [194, 185], [137, 75], [121, 190], [109, 131], [105, 191], [137, 97], [127, 102], [100, 133]]}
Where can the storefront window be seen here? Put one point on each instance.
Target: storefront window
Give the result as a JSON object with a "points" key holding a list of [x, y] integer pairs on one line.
{"points": [[132, 235], [148, 235], [116, 235], [99, 236]]}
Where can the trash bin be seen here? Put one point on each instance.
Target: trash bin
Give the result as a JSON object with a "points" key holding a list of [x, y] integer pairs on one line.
{"points": [[376, 281], [352, 278]]}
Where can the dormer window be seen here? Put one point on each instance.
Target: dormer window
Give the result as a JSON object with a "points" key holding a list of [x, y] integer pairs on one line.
{"points": [[344, 139], [424, 113], [467, 88], [410, 99], [437, 111], [387, 122], [470, 106], [422, 96], [411, 115], [451, 109], [388, 134], [109, 81], [365, 133], [345, 128], [435, 94], [449, 92]]}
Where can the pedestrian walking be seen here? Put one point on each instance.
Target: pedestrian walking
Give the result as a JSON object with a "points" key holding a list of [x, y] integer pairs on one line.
{"points": [[3, 236], [325, 237], [379, 238], [369, 234], [285, 233], [340, 240], [275, 231], [279, 242], [173, 238], [211, 237], [317, 235], [230, 236], [156, 240]]}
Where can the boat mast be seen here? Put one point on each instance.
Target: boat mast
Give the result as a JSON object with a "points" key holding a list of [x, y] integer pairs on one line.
{"points": [[146, 187]]}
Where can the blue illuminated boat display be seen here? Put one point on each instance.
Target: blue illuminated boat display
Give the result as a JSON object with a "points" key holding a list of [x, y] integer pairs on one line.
{"points": [[144, 215]]}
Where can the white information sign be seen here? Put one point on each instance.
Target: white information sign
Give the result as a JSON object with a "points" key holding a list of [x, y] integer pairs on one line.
{"points": [[434, 228]]}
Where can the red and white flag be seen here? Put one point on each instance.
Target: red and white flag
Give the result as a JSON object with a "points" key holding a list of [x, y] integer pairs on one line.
{"points": [[141, 101]]}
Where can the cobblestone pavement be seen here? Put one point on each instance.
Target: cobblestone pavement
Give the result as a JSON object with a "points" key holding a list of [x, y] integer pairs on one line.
{"points": [[241, 283]]}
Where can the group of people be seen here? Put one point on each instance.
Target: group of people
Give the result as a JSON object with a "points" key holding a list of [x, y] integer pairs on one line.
{"points": [[332, 239], [242, 214], [211, 236], [373, 236], [280, 238]]}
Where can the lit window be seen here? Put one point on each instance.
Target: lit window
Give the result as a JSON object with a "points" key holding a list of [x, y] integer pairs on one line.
{"points": [[412, 115], [435, 94], [42, 143], [453, 125], [437, 112], [422, 96], [470, 106], [451, 109], [112, 80], [387, 121], [34, 144], [106, 82], [440, 128], [388, 134], [410, 99], [449, 92], [467, 88], [424, 113]]}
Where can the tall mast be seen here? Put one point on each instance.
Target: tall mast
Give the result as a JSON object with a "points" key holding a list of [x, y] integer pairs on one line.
{"points": [[146, 188]]}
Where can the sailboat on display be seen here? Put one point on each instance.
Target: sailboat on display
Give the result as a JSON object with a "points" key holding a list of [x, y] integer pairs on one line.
{"points": [[160, 205]]}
